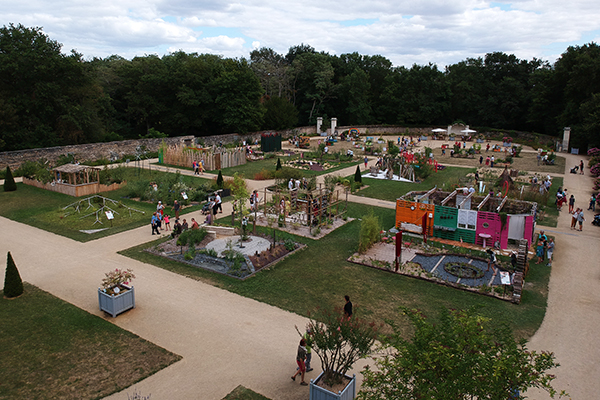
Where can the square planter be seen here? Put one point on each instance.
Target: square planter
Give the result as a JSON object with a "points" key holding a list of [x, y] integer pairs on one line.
{"points": [[116, 304], [319, 393]]}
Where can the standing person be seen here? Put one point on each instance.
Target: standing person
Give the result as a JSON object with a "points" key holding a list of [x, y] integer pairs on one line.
{"points": [[160, 208], [218, 203], [348, 307], [539, 252], [492, 162], [550, 251], [487, 148], [176, 208], [580, 219], [366, 161], [513, 260], [574, 218], [154, 223], [487, 161], [476, 177], [571, 204], [581, 167], [491, 260], [592, 202], [300, 357], [184, 226], [167, 223]]}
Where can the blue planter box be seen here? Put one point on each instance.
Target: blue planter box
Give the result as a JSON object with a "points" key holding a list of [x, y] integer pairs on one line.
{"points": [[116, 304], [319, 393]]}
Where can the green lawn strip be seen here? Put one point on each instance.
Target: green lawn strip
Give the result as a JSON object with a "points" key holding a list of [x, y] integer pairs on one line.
{"points": [[319, 276], [242, 393], [43, 209], [384, 189], [51, 349], [549, 214]]}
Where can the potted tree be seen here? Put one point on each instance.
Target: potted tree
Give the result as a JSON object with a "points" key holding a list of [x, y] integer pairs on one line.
{"points": [[339, 342], [115, 296]]}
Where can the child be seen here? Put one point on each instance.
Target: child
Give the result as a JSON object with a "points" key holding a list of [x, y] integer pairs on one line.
{"points": [[167, 223]]}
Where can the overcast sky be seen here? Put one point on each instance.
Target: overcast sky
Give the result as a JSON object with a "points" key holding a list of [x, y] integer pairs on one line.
{"points": [[406, 32]]}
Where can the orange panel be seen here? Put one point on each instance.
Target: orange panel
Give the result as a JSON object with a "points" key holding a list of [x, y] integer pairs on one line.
{"points": [[412, 213]]}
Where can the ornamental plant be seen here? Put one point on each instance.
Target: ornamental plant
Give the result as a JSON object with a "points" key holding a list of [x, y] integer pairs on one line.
{"points": [[357, 175], [116, 278], [340, 341], [9, 181], [13, 285]]}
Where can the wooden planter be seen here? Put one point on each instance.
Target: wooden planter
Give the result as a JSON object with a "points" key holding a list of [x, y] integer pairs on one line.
{"points": [[116, 304], [319, 393]]}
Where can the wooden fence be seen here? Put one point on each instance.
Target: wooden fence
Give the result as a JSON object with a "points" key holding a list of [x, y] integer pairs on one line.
{"points": [[214, 158], [74, 190]]}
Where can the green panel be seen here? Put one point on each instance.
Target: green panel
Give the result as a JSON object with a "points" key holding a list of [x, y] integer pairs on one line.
{"points": [[446, 218], [467, 235]]}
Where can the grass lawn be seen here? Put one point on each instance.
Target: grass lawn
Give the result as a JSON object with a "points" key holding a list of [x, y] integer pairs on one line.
{"points": [[242, 393], [526, 162], [51, 349], [384, 189], [251, 168], [43, 209], [319, 276]]}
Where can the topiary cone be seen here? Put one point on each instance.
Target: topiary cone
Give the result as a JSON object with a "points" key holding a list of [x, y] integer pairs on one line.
{"points": [[357, 175], [278, 166], [220, 180], [9, 181], [13, 285]]}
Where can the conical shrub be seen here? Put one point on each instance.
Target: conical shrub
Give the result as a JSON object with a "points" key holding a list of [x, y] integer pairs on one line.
{"points": [[220, 180], [13, 285], [278, 166], [9, 181], [357, 175]]}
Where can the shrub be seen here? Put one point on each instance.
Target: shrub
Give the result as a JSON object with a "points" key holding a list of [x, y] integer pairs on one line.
{"points": [[13, 285], [263, 175], [220, 180], [369, 232], [278, 166], [191, 237], [357, 175], [9, 181]]}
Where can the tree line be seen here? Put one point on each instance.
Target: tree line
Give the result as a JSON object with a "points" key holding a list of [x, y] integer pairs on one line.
{"points": [[48, 98]]}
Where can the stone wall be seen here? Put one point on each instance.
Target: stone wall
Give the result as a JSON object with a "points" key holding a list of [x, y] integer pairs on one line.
{"points": [[83, 152]]}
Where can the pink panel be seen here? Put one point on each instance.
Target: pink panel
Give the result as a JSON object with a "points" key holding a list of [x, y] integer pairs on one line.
{"points": [[528, 234], [504, 234], [493, 229]]}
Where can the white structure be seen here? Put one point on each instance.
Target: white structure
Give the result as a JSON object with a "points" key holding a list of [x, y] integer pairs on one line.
{"points": [[319, 123], [333, 125], [566, 137]]}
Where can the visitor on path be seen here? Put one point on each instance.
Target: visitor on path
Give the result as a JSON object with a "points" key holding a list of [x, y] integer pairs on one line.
{"points": [[160, 208], [492, 162], [201, 166], [300, 357], [348, 307], [550, 251], [491, 260], [184, 225], [539, 252], [574, 218], [487, 148], [592, 202], [154, 223], [167, 223], [571, 204], [476, 177], [539, 158], [580, 219], [487, 161], [443, 151], [218, 203], [291, 184], [307, 336], [581, 167], [176, 208], [366, 161]]}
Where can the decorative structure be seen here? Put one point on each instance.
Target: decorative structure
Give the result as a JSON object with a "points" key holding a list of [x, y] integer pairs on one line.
{"points": [[270, 141], [213, 158], [566, 137], [462, 216], [319, 124], [78, 206], [75, 180]]}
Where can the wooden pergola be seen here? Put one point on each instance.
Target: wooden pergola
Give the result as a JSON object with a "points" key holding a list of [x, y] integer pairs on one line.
{"points": [[73, 174]]}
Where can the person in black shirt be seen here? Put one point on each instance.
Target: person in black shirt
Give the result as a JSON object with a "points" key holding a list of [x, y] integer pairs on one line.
{"points": [[348, 307]]}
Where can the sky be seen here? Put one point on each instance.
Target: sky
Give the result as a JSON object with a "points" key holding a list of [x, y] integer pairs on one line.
{"points": [[405, 32]]}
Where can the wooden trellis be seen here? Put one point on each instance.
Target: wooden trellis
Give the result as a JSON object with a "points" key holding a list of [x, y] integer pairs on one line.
{"points": [[214, 157]]}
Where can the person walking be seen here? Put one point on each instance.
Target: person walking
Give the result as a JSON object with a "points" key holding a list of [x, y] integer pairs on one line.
{"points": [[218, 203], [550, 251], [592, 202], [574, 218], [580, 219], [176, 208], [571, 204], [348, 307], [581, 167], [366, 161], [167, 222], [154, 223], [492, 162], [300, 357]]}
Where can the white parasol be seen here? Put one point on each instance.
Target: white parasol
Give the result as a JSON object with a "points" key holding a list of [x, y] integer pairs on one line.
{"points": [[438, 130]]}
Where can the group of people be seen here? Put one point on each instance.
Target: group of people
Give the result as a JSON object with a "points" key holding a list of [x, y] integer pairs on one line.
{"points": [[304, 351], [198, 167], [158, 217], [544, 249], [577, 218]]}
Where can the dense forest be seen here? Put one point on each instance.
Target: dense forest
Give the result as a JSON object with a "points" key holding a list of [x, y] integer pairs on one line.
{"points": [[48, 98]]}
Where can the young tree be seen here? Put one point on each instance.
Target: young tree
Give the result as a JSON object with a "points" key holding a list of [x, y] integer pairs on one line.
{"points": [[463, 356], [357, 175], [13, 285], [340, 341], [9, 181], [220, 180]]}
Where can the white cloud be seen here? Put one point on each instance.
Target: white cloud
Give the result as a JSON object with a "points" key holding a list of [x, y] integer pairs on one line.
{"points": [[406, 32]]}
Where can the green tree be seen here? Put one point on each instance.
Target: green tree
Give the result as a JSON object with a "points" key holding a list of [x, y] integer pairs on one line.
{"points": [[220, 180], [279, 114], [370, 226], [13, 285], [340, 341], [461, 356], [9, 181]]}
